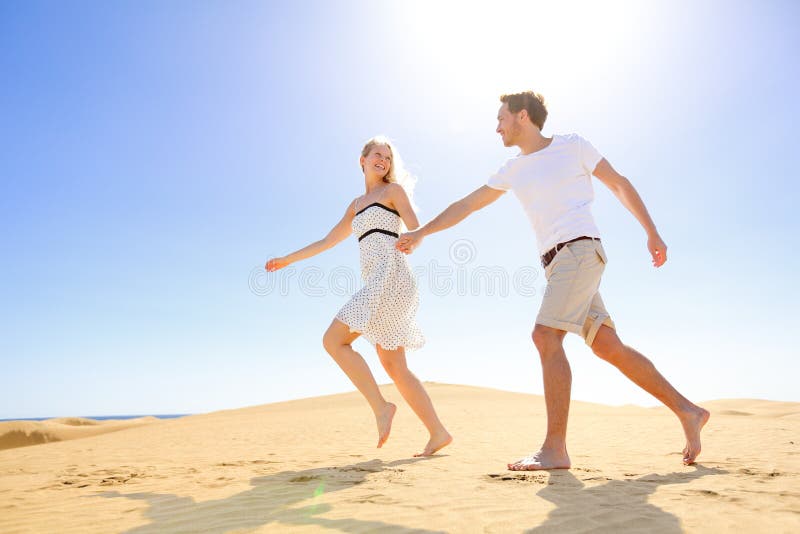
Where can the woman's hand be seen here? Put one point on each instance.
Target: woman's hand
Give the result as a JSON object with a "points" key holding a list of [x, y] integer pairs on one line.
{"points": [[409, 241], [276, 263]]}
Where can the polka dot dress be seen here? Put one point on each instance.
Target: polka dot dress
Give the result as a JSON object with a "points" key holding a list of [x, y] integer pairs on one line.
{"points": [[384, 310]]}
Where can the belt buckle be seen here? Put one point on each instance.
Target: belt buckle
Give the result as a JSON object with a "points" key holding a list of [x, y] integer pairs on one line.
{"points": [[548, 256]]}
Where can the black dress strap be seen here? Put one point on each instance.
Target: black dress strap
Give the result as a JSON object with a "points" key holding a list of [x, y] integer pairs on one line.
{"points": [[378, 230], [387, 208]]}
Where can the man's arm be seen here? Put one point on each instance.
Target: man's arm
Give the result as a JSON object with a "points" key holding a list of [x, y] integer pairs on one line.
{"points": [[623, 189], [454, 214]]}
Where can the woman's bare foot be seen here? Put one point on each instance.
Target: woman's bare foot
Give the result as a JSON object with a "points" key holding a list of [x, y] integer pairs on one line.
{"points": [[542, 460], [693, 422], [384, 420], [437, 442]]}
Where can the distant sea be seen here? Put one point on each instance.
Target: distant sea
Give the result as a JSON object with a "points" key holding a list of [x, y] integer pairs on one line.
{"points": [[103, 417]]}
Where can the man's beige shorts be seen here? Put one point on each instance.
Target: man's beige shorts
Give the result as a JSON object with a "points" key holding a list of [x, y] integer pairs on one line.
{"points": [[571, 301]]}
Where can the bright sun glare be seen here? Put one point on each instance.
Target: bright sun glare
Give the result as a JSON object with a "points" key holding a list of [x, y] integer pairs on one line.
{"points": [[507, 45]]}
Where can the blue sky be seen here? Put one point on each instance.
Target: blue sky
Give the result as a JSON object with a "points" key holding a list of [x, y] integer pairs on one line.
{"points": [[154, 155]]}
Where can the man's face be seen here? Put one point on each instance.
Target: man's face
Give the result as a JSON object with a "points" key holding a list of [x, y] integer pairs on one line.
{"points": [[508, 126]]}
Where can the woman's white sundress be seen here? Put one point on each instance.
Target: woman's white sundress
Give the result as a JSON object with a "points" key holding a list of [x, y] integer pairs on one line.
{"points": [[384, 310]]}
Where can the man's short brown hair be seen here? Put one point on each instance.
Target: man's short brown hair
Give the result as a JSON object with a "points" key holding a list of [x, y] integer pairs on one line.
{"points": [[531, 102]]}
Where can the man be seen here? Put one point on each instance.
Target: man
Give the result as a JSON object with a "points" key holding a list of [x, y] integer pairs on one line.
{"points": [[552, 179]]}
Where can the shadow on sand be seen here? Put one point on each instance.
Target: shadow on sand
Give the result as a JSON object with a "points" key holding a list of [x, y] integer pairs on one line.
{"points": [[616, 506], [270, 501]]}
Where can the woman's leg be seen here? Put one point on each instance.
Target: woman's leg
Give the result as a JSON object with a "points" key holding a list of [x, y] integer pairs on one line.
{"points": [[337, 341], [394, 361]]}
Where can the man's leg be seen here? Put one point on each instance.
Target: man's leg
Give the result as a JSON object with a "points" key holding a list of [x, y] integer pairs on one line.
{"points": [[573, 277], [557, 385], [643, 373]]}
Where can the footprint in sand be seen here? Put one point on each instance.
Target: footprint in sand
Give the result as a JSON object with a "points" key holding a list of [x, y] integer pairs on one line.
{"points": [[304, 478], [518, 477], [762, 474], [707, 493]]}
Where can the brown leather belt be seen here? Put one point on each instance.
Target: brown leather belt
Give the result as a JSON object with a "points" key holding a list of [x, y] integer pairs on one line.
{"points": [[550, 254]]}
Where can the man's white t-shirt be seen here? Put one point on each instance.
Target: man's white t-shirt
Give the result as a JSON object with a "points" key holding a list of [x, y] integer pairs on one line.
{"points": [[554, 186]]}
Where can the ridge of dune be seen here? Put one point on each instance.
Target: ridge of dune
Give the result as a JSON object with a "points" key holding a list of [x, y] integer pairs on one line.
{"points": [[15, 434], [455, 391], [753, 407], [741, 407], [75, 421]]}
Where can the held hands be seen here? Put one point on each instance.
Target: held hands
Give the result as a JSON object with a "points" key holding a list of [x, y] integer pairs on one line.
{"points": [[409, 241], [658, 249], [276, 263]]}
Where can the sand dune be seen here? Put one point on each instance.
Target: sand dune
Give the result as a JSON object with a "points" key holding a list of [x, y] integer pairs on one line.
{"points": [[24, 433], [310, 465]]}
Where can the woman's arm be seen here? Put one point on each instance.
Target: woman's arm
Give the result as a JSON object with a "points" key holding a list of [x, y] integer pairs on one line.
{"points": [[334, 237], [399, 199]]}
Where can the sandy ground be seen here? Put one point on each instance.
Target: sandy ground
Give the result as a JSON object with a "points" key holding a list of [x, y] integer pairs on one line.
{"points": [[311, 465]]}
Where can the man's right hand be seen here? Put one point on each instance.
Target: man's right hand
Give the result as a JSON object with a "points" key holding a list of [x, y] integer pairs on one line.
{"points": [[409, 241]]}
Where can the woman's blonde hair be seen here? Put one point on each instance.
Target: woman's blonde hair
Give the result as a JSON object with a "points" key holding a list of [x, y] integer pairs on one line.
{"points": [[397, 172]]}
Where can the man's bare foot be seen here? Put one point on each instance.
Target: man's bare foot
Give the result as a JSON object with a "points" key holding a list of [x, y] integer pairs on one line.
{"points": [[384, 420], [693, 423], [437, 442], [542, 460]]}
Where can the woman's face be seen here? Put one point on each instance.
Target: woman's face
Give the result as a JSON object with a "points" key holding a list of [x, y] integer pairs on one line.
{"points": [[378, 161]]}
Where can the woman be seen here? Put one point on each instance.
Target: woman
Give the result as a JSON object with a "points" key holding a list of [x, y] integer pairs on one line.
{"points": [[384, 310]]}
